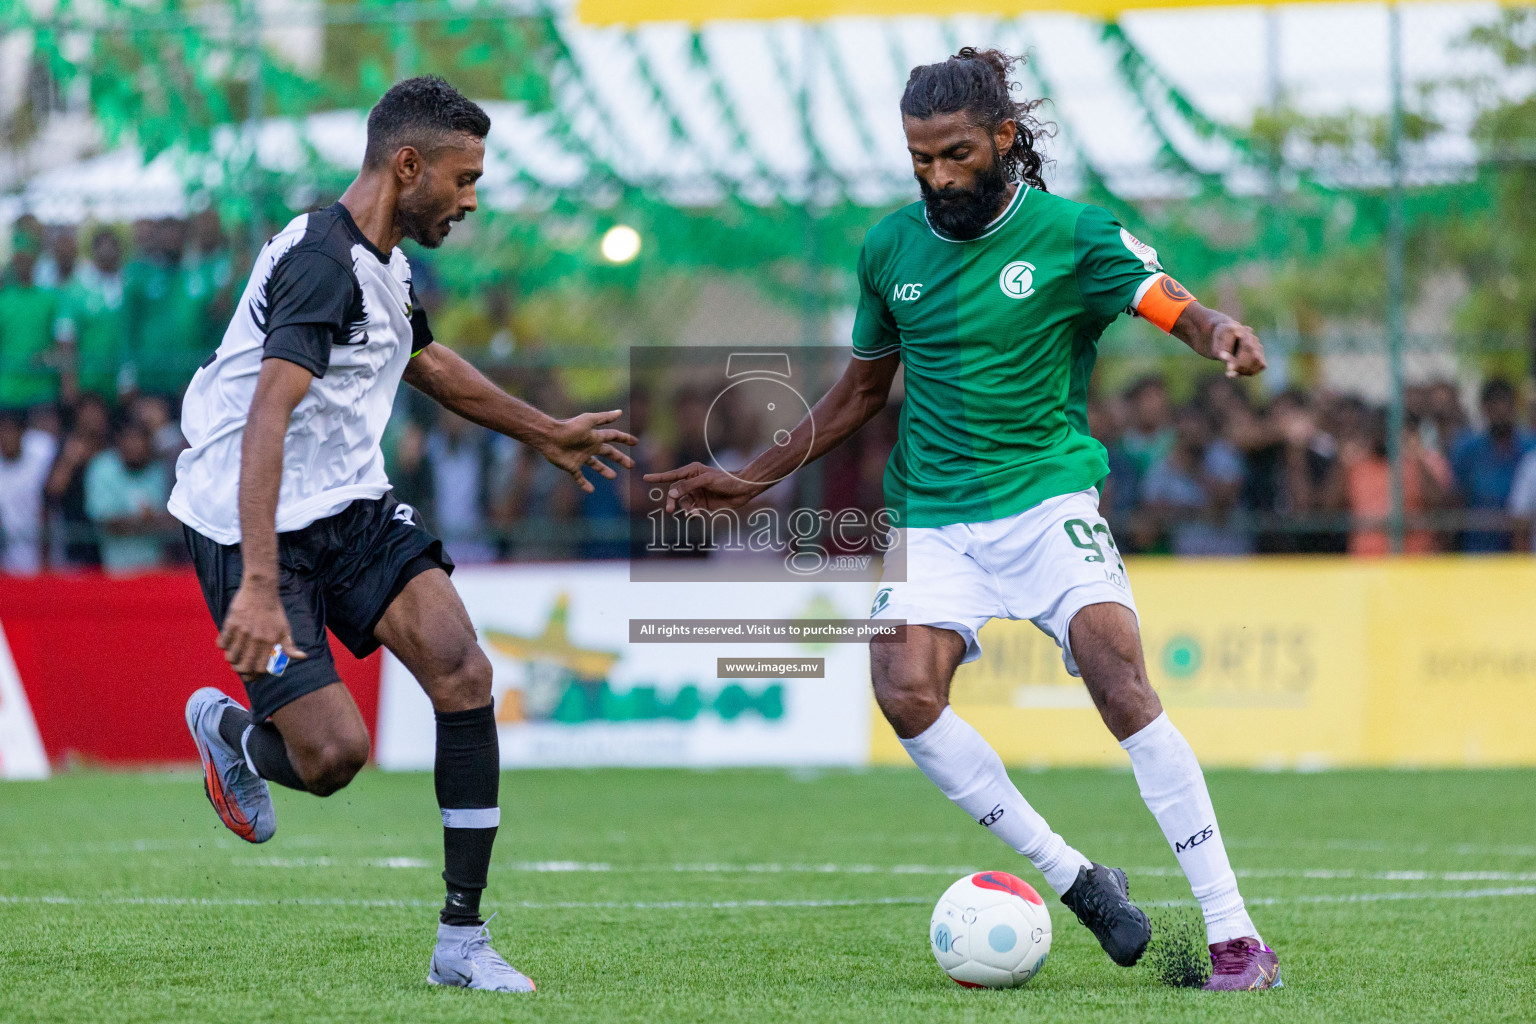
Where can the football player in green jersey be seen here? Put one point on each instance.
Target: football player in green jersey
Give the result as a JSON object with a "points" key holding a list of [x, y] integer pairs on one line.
{"points": [[992, 294]]}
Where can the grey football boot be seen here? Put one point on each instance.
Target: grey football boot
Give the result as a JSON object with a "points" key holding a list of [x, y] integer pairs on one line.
{"points": [[238, 794]]}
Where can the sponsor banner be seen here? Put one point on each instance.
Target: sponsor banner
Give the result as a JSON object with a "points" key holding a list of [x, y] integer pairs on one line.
{"points": [[21, 749], [107, 663], [570, 690], [1288, 663]]}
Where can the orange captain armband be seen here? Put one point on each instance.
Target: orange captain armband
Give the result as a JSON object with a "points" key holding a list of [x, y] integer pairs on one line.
{"points": [[1161, 299]]}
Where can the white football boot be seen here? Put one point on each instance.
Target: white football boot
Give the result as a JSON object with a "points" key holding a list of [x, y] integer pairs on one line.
{"points": [[464, 958]]}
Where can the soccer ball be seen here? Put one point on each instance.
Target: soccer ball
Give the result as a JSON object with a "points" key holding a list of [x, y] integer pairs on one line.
{"points": [[990, 930]]}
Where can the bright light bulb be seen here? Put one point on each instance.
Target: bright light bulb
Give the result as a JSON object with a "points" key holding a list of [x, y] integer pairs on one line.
{"points": [[621, 244]]}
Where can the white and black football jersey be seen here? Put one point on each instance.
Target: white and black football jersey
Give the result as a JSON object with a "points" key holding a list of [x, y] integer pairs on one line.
{"points": [[322, 296]]}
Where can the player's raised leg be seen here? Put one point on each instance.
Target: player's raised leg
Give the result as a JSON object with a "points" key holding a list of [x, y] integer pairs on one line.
{"points": [[1106, 644], [316, 743], [427, 628], [236, 790], [911, 681]]}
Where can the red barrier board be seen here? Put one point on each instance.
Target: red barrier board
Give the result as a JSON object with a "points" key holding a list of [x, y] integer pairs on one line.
{"points": [[108, 663]]}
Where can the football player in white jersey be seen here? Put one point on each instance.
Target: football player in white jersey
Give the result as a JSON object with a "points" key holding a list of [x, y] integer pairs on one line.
{"points": [[290, 520]]}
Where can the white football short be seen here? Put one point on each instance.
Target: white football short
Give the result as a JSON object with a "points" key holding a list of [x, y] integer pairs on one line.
{"points": [[1044, 564]]}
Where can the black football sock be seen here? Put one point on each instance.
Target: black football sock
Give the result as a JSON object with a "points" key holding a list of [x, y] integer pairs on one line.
{"points": [[263, 745], [466, 775]]}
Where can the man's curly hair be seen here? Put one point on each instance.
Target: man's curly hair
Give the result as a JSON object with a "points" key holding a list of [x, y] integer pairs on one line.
{"points": [[976, 82]]}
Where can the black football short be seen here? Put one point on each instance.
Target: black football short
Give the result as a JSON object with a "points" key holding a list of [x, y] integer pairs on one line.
{"points": [[340, 572]]}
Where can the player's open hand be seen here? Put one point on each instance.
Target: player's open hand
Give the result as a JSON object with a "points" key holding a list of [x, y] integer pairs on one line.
{"points": [[1238, 347], [255, 625], [582, 442], [697, 488]]}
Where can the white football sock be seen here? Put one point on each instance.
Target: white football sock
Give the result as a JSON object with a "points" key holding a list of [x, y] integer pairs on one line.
{"points": [[1174, 789], [966, 768]]}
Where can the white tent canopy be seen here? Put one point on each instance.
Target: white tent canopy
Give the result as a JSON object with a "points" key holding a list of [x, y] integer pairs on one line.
{"points": [[741, 128]]}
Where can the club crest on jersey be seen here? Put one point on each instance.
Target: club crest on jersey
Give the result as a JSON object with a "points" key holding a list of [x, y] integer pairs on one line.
{"points": [[1141, 250], [1017, 280], [882, 599]]}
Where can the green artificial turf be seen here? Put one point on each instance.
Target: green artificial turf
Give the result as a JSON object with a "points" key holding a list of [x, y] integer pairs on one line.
{"points": [[745, 896]]}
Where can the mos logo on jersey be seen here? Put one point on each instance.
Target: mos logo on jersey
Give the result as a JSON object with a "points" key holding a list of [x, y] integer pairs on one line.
{"points": [[907, 292], [1017, 280]]}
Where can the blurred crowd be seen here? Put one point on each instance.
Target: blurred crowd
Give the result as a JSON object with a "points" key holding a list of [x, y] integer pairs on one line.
{"points": [[1308, 473], [101, 328]]}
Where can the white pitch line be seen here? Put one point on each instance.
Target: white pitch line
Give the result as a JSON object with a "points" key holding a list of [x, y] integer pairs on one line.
{"points": [[193, 901], [225, 842], [771, 868], [189, 901], [601, 867]]}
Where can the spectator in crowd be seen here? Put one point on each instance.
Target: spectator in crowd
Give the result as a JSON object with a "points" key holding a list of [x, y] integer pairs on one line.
{"points": [[460, 454], [92, 321], [1119, 493], [1522, 504], [173, 293], [46, 418], [27, 312], [689, 413], [1294, 474], [604, 516], [28, 234], [1368, 481], [1485, 462], [538, 510], [1149, 433], [57, 264], [1307, 474], [126, 488], [534, 503], [72, 536], [1192, 490], [208, 283], [1445, 420], [410, 471], [154, 411], [24, 460], [154, 311]]}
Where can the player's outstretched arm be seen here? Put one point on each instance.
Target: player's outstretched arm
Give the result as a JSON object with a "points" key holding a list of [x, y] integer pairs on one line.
{"points": [[853, 401], [256, 621], [579, 442], [1215, 335]]}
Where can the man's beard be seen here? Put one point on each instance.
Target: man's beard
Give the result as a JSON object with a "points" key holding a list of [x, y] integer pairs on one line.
{"points": [[421, 220], [963, 213]]}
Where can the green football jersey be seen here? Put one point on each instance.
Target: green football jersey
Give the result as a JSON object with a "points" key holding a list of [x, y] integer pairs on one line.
{"points": [[998, 337], [26, 335], [91, 316]]}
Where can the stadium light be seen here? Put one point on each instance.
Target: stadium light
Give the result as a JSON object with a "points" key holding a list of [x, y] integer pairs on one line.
{"points": [[621, 244]]}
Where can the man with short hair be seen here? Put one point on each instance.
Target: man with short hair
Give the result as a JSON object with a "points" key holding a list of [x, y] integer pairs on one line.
{"points": [[290, 520], [27, 313], [91, 323], [125, 492], [1485, 462], [992, 294]]}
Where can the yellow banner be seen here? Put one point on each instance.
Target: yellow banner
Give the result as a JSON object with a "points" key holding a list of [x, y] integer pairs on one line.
{"points": [[697, 12], [1288, 664]]}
